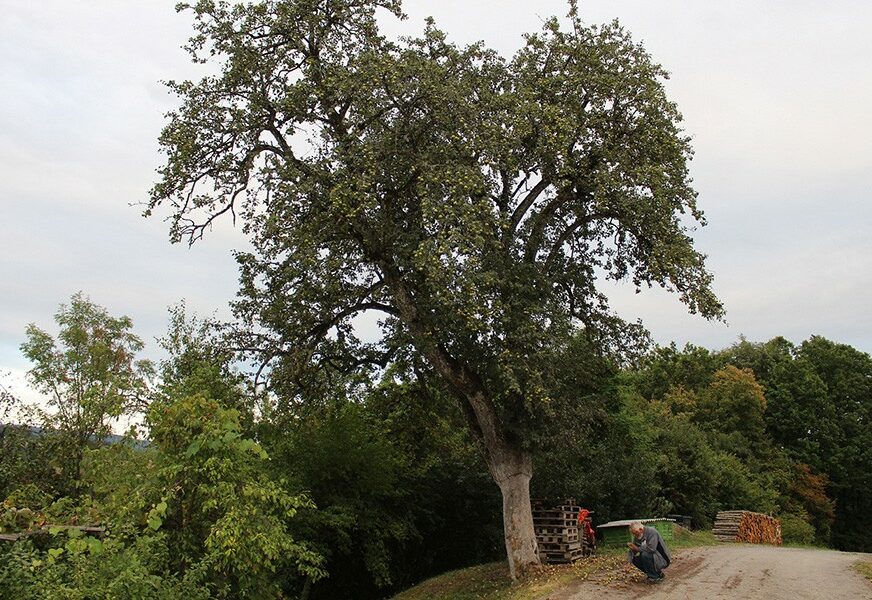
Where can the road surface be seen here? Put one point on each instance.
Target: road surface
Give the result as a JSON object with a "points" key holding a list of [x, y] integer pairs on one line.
{"points": [[738, 571]]}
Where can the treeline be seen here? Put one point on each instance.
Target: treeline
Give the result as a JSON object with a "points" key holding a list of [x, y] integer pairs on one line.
{"points": [[336, 488], [770, 427], [226, 490]]}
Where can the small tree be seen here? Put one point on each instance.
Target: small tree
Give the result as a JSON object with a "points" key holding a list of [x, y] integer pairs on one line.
{"points": [[223, 516], [89, 374], [469, 201], [199, 363]]}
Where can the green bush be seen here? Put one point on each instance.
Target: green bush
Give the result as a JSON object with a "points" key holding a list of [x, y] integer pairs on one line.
{"points": [[796, 530], [196, 516], [29, 496], [79, 568]]}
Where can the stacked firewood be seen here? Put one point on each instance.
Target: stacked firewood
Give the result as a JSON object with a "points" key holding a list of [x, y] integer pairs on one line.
{"points": [[746, 526]]}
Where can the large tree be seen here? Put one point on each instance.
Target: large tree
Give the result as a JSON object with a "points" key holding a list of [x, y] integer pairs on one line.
{"points": [[472, 201]]}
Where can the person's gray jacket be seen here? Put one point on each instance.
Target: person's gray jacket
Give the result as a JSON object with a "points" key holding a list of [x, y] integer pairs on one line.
{"points": [[651, 542]]}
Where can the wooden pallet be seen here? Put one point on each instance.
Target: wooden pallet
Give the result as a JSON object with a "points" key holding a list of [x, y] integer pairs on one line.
{"points": [[568, 556], [551, 539], [557, 513], [557, 530], [559, 546], [548, 522]]}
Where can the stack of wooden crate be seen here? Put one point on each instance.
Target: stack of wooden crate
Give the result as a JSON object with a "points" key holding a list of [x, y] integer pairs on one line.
{"points": [[557, 531]]}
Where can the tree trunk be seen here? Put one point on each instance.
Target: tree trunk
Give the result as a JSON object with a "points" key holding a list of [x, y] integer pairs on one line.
{"points": [[512, 472], [510, 466]]}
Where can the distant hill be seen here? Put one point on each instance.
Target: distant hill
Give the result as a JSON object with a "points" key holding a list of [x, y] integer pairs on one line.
{"points": [[109, 439]]}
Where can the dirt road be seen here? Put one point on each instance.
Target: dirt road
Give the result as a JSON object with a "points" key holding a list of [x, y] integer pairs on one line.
{"points": [[740, 571]]}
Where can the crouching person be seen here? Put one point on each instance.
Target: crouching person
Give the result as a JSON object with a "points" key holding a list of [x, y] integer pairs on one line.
{"points": [[648, 551]]}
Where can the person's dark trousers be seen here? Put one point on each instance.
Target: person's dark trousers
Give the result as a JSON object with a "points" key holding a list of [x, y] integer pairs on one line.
{"points": [[645, 562]]}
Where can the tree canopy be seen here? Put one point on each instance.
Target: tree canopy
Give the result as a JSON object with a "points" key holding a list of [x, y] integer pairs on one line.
{"points": [[469, 200]]}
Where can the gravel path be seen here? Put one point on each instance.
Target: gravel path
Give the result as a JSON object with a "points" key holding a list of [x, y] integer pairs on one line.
{"points": [[740, 571]]}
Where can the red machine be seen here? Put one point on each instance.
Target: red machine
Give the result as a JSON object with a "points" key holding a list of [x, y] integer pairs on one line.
{"points": [[587, 531]]}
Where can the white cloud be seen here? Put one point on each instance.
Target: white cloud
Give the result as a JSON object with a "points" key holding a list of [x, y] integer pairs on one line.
{"points": [[775, 94]]}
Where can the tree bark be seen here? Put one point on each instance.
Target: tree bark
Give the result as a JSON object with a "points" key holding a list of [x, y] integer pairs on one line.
{"points": [[512, 472], [307, 589]]}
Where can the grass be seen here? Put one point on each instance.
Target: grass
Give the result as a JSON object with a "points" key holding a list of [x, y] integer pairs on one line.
{"points": [[864, 568], [491, 581], [685, 538], [803, 546]]}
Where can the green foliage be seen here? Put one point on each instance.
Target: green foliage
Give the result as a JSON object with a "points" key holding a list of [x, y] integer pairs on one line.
{"points": [[89, 373], [799, 416], [819, 406], [396, 483], [666, 369], [787, 422], [36, 463], [686, 469], [193, 514], [90, 569], [29, 463], [199, 362], [444, 482], [847, 435], [353, 473], [13, 518], [747, 484], [116, 477], [731, 409], [219, 510], [807, 495], [28, 496], [400, 487], [639, 457], [795, 529], [602, 456]]}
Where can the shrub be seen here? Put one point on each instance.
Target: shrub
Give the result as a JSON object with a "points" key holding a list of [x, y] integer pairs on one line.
{"points": [[795, 529]]}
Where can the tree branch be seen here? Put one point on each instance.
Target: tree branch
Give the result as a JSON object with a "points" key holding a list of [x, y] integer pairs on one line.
{"points": [[526, 203], [572, 228], [540, 221], [460, 377], [321, 329]]}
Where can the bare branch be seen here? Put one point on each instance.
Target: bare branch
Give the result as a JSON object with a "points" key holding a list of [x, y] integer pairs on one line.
{"points": [[322, 328], [571, 229], [526, 203], [540, 221]]}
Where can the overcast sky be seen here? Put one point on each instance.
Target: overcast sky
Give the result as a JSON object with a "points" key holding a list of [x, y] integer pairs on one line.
{"points": [[776, 95]]}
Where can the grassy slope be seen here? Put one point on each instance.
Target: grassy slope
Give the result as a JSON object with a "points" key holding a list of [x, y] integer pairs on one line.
{"points": [[864, 567], [491, 581]]}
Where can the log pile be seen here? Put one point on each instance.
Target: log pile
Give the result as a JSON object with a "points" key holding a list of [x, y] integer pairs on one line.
{"points": [[746, 526]]}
